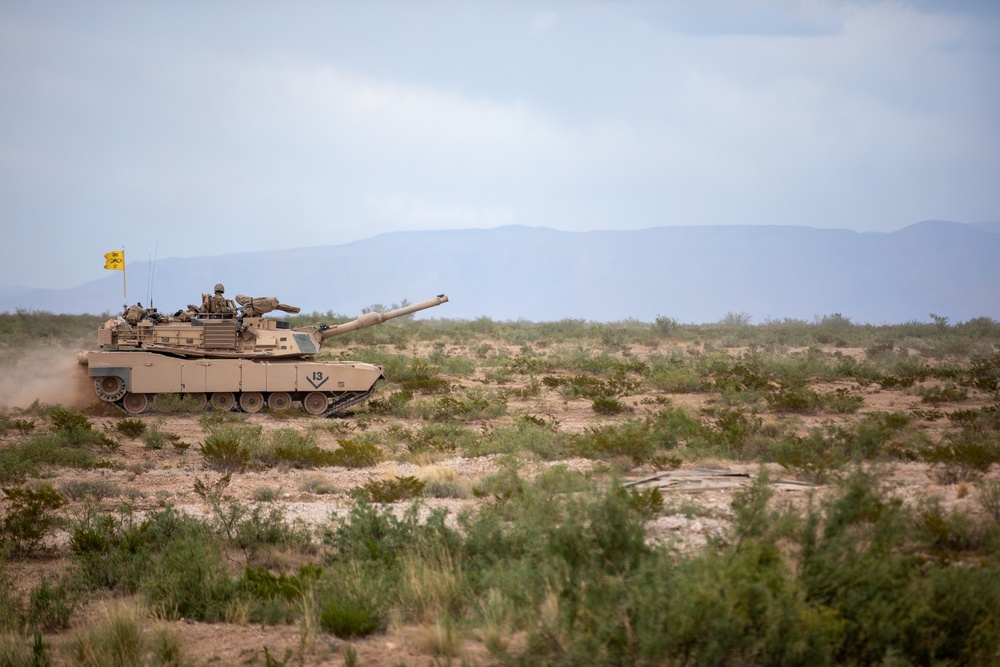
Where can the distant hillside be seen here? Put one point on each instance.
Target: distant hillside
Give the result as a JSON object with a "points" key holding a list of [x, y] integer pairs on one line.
{"points": [[693, 274]]}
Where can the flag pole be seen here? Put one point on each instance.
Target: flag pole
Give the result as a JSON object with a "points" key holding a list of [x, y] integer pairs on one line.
{"points": [[124, 288]]}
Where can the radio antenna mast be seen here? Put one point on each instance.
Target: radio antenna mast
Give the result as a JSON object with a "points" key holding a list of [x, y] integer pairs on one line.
{"points": [[152, 273]]}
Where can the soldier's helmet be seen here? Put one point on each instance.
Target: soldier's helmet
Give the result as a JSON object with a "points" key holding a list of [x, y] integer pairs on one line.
{"points": [[219, 289]]}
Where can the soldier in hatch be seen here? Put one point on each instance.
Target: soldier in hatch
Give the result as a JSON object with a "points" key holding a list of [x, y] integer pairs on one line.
{"points": [[219, 303]]}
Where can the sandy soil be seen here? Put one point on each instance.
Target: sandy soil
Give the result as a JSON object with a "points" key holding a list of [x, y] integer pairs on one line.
{"points": [[698, 500]]}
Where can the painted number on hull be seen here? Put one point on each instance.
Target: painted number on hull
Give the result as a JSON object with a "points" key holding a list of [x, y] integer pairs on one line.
{"points": [[317, 379]]}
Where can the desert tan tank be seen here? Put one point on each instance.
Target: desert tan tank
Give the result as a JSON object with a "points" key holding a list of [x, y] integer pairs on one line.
{"points": [[229, 357]]}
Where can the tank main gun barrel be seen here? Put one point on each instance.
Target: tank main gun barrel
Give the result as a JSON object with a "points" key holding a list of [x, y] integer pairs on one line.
{"points": [[371, 319]]}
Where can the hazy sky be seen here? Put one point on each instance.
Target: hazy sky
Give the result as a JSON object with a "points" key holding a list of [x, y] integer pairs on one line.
{"points": [[215, 127]]}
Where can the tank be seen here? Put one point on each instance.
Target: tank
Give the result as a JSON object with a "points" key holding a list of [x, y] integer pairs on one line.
{"points": [[225, 356]]}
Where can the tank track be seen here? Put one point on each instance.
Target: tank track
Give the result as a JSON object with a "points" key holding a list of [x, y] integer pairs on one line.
{"points": [[347, 401], [336, 407]]}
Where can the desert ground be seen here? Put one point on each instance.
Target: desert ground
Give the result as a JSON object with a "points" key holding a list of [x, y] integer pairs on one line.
{"points": [[455, 401]]}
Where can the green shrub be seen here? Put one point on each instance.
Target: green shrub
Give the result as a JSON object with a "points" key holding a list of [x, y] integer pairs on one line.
{"points": [[97, 489], [232, 448], [606, 405], [789, 398], [526, 434], [843, 401], [980, 420], [29, 514], [949, 393], [187, 578], [475, 405], [298, 450], [391, 490], [735, 430], [69, 420], [50, 606], [23, 426], [254, 529], [422, 378], [356, 454], [984, 372], [116, 640], [634, 440], [130, 427], [154, 438], [434, 437], [964, 458]]}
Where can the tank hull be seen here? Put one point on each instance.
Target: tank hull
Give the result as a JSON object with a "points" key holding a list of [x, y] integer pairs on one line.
{"points": [[137, 381]]}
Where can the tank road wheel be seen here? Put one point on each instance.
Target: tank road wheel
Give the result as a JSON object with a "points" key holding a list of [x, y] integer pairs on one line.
{"points": [[135, 403], [166, 402], [251, 401], [195, 402], [279, 400], [223, 400], [315, 403], [109, 388]]}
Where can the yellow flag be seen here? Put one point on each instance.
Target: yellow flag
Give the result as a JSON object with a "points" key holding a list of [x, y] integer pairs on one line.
{"points": [[115, 260]]}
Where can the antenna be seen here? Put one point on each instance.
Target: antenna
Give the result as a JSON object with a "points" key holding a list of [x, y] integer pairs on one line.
{"points": [[152, 271]]}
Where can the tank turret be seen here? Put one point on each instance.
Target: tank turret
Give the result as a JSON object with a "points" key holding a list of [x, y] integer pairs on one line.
{"points": [[227, 356]]}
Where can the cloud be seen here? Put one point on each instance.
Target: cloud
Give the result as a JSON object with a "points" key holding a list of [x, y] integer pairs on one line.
{"points": [[543, 22], [408, 211], [772, 18]]}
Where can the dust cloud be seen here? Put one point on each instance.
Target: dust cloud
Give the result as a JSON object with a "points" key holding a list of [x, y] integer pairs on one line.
{"points": [[49, 375]]}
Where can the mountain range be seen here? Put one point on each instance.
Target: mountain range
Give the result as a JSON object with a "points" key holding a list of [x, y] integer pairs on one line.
{"points": [[692, 274]]}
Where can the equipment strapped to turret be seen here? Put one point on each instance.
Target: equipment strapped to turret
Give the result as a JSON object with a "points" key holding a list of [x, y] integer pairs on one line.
{"points": [[258, 305]]}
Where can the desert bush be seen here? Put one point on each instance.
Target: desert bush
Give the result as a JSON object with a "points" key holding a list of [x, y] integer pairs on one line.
{"points": [[949, 393], [979, 420], [743, 375], [673, 375], [18, 651], [665, 326], [421, 377], [633, 440], [814, 457], [252, 529], [356, 454], [209, 421], [97, 489], [28, 515], [22, 426], [352, 600], [154, 438], [734, 431], [121, 638], [395, 404], [843, 400], [989, 497], [984, 372], [184, 403], [963, 457], [50, 606], [794, 398], [475, 405], [526, 434], [607, 405], [296, 449], [232, 448], [187, 578], [130, 427], [860, 559], [391, 490], [69, 420], [114, 550]]}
